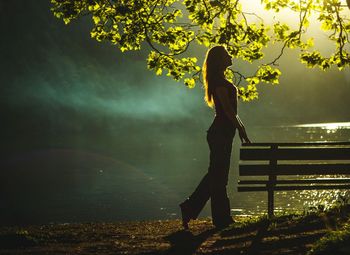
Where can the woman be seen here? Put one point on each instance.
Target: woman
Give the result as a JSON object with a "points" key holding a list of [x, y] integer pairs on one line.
{"points": [[222, 94]]}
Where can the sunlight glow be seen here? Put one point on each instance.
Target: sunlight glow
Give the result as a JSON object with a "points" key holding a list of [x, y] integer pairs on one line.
{"points": [[255, 6], [287, 16]]}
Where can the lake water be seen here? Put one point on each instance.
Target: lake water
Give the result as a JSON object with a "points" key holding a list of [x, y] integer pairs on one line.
{"points": [[138, 177]]}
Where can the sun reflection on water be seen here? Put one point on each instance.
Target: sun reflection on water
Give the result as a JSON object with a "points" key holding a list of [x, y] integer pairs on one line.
{"points": [[322, 198], [324, 131], [327, 126]]}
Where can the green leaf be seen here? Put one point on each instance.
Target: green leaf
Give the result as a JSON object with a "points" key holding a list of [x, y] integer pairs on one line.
{"points": [[177, 32]]}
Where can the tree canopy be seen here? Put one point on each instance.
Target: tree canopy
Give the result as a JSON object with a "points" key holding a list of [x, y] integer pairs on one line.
{"points": [[170, 28]]}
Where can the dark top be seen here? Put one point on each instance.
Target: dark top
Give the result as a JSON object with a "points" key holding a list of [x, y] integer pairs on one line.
{"points": [[221, 120], [232, 96]]}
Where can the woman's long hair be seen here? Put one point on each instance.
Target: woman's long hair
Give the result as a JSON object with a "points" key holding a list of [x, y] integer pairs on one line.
{"points": [[212, 70]]}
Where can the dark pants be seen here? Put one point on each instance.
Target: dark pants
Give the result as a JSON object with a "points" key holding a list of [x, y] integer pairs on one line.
{"points": [[213, 185]]}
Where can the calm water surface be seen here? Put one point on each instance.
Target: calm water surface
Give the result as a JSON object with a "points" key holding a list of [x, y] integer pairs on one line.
{"points": [[126, 182]]}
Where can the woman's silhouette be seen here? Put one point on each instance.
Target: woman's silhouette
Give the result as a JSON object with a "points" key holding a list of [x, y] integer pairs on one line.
{"points": [[223, 95]]}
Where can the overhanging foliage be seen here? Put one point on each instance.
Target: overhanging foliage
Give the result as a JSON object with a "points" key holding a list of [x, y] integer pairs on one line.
{"points": [[171, 27]]}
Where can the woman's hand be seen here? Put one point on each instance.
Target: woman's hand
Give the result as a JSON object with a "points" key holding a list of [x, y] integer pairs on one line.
{"points": [[243, 135]]}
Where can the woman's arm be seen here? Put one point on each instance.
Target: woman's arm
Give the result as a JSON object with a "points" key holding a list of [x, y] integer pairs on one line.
{"points": [[230, 112], [243, 134]]}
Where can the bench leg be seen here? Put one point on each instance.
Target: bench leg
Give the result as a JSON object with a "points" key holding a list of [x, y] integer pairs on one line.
{"points": [[270, 203]]}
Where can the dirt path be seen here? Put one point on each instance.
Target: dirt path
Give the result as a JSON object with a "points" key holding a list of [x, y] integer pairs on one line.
{"points": [[287, 235]]}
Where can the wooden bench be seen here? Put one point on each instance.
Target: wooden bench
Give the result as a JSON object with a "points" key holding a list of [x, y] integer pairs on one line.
{"points": [[271, 160]]}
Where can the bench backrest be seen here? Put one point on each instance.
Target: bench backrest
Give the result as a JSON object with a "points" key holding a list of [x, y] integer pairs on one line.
{"points": [[261, 159]]}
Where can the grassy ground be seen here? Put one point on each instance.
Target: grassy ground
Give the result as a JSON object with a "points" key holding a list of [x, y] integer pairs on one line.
{"points": [[312, 233]]}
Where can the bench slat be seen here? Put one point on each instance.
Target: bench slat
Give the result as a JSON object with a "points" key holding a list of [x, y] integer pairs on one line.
{"points": [[295, 154], [304, 144], [286, 188], [300, 181], [294, 169]]}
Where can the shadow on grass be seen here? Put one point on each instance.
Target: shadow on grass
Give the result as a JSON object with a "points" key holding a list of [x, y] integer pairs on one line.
{"points": [[282, 235], [185, 243]]}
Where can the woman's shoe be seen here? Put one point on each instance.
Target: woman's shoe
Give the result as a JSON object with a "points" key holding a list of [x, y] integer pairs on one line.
{"points": [[223, 224], [185, 213]]}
